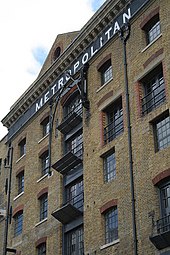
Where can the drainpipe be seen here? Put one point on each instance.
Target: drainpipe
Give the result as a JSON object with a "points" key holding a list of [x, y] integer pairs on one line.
{"points": [[8, 164], [124, 34], [50, 135]]}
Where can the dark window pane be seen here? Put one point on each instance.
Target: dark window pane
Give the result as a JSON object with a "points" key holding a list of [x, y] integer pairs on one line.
{"points": [[74, 106], [45, 163], [109, 167], [46, 126], [154, 31], [154, 90], [111, 225], [114, 122], [20, 182], [43, 207], [106, 72], [22, 146], [42, 249], [75, 242], [75, 145], [18, 219], [163, 133], [75, 196]]}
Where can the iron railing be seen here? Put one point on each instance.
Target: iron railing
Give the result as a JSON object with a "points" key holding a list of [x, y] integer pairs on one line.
{"points": [[78, 109], [77, 150], [155, 97], [163, 224], [113, 129], [77, 201]]}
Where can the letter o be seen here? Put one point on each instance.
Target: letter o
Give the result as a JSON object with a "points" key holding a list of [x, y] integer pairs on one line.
{"points": [[85, 58]]}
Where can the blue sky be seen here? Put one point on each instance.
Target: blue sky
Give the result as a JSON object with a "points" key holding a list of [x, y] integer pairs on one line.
{"points": [[40, 54], [96, 4]]}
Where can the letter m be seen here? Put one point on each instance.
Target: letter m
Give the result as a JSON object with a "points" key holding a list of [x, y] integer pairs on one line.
{"points": [[39, 104]]}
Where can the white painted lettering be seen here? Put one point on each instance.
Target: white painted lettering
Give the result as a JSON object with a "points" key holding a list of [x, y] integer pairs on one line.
{"points": [[61, 83], [107, 33], [53, 88], [126, 16], [67, 75], [85, 58], [39, 105], [46, 98], [92, 51], [116, 27], [76, 65], [101, 42]]}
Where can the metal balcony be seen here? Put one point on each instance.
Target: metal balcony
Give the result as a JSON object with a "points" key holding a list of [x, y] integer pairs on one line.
{"points": [[71, 120], [161, 234], [69, 160], [71, 210]]}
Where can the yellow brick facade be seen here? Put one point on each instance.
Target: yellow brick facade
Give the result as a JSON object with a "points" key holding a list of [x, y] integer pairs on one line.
{"points": [[147, 163]]}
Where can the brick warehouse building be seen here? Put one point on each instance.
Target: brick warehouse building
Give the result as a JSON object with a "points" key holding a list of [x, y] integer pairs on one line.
{"points": [[88, 142]]}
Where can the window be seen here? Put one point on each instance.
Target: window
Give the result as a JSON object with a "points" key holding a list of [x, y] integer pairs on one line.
{"points": [[111, 225], [57, 53], [43, 206], [74, 194], [41, 249], [22, 146], [162, 132], [73, 106], [18, 222], [75, 145], [113, 121], [44, 163], [75, 242], [106, 72], [154, 90], [46, 126], [20, 178], [152, 29], [109, 167], [163, 224]]}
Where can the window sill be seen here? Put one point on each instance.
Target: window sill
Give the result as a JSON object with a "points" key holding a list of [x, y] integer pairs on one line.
{"points": [[109, 244], [42, 177], [43, 138], [19, 195], [151, 43], [40, 222], [104, 85], [20, 158]]}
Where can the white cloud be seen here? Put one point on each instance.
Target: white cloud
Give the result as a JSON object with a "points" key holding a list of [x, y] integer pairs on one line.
{"points": [[24, 26]]}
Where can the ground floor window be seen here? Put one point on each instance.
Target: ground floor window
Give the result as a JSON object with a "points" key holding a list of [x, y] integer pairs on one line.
{"points": [[75, 242]]}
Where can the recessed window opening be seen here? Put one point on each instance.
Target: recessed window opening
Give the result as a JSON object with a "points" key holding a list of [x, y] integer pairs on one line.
{"points": [[75, 194], [57, 53], [162, 132], [43, 206], [44, 163], [106, 72], [75, 242], [154, 90], [114, 121], [22, 147], [152, 29], [74, 105], [20, 178], [109, 162], [46, 126], [111, 225], [18, 223]]}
